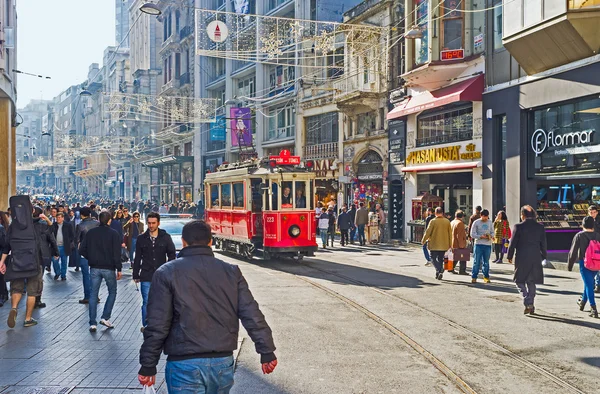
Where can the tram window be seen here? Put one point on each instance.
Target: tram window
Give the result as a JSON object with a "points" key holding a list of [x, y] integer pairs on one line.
{"points": [[226, 195], [274, 196], [257, 195], [214, 196], [300, 198], [238, 195], [287, 196]]}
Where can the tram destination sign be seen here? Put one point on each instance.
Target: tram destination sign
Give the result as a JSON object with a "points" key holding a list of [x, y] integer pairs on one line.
{"points": [[285, 158]]}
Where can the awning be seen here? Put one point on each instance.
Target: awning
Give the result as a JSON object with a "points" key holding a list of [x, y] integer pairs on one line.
{"points": [[443, 167], [161, 161], [86, 173], [467, 90]]}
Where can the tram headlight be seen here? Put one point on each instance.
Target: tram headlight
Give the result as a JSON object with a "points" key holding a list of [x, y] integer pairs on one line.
{"points": [[294, 231]]}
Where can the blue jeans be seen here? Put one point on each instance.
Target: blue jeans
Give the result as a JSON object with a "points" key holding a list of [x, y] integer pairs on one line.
{"points": [[361, 234], [598, 279], [132, 250], [60, 269], [200, 375], [111, 283], [85, 273], [481, 257], [426, 252], [145, 290], [323, 234], [588, 284]]}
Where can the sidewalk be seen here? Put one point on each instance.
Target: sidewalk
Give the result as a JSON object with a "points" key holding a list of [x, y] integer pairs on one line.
{"points": [[60, 355]]}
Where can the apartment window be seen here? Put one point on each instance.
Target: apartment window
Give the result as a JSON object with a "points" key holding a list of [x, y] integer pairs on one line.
{"points": [[452, 25], [187, 149], [177, 151], [177, 65], [449, 125], [170, 68], [281, 78], [335, 63], [498, 25], [177, 17], [322, 129], [217, 66], [282, 123], [247, 87], [367, 122], [421, 53]]}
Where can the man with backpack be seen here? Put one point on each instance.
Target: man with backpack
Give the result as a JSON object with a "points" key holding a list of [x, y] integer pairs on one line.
{"points": [[585, 250], [529, 243]]}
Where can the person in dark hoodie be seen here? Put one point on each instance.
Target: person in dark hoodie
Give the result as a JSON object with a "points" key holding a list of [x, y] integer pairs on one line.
{"points": [[153, 249], [34, 285]]}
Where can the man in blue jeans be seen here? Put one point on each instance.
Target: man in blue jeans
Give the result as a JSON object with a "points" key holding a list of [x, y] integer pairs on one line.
{"points": [[482, 232], [102, 248], [87, 223], [429, 218], [196, 305], [153, 248], [64, 234]]}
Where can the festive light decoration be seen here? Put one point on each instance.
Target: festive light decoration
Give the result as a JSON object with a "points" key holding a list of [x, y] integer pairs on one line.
{"points": [[283, 40], [127, 106]]}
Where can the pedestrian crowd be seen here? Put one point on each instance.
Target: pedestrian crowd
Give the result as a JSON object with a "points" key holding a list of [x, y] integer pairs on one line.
{"points": [[191, 303], [447, 244]]}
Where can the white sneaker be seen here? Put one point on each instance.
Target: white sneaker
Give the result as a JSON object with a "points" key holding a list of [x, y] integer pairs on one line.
{"points": [[93, 328], [106, 323], [428, 264]]}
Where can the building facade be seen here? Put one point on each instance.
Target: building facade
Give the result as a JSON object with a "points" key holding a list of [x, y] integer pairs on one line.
{"points": [[542, 114], [122, 24], [31, 145], [8, 97], [441, 108]]}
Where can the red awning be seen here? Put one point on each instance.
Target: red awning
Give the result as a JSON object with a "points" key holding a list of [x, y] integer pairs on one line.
{"points": [[468, 90], [443, 167]]}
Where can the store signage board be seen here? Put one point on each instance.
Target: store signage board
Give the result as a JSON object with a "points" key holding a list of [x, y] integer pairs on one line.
{"points": [[452, 54], [447, 153], [542, 140], [370, 177], [396, 219]]}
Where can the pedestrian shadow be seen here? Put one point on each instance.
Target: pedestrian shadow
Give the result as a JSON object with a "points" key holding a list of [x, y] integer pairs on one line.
{"points": [[593, 361], [345, 274], [247, 381], [540, 290], [564, 320]]}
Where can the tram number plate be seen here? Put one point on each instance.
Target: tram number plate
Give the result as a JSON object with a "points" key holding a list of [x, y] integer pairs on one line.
{"points": [[270, 219]]}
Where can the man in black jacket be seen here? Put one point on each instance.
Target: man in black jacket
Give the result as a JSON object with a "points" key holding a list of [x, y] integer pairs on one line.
{"points": [[153, 248], [529, 242], [87, 223], [102, 247], [65, 236], [196, 303]]}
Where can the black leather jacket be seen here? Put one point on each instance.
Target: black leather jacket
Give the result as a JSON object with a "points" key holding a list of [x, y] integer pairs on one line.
{"points": [[194, 309], [148, 257], [82, 228]]}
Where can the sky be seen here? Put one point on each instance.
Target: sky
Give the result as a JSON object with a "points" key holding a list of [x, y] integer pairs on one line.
{"points": [[60, 39]]}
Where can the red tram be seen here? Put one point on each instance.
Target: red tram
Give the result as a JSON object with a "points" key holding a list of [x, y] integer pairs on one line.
{"points": [[263, 206]]}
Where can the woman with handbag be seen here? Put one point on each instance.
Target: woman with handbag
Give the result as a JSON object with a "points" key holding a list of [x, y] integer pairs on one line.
{"points": [[459, 243], [502, 236]]}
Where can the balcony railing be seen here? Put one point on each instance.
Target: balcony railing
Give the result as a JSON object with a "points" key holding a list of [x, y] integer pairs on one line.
{"points": [[321, 151], [172, 84], [350, 86], [184, 79], [185, 32], [445, 138]]}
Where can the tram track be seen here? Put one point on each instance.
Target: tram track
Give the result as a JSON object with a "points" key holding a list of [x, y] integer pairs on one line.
{"points": [[436, 362]]}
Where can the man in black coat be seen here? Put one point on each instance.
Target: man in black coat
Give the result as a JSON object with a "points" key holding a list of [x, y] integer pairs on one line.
{"points": [[196, 304], [152, 249], [529, 242], [345, 223], [352, 215]]}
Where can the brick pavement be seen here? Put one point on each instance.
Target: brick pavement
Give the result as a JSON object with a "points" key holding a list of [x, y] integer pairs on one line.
{"points": [[60, 355]]}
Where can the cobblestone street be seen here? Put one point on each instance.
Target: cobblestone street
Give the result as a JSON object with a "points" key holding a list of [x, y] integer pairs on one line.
{"points": [[350, 320]]}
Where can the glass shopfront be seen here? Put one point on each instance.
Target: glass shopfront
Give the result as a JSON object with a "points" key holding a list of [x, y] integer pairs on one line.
{"points": [[564, 159]]}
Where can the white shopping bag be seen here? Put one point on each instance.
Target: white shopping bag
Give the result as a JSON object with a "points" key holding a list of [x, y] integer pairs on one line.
{"points": [[149, 390]]}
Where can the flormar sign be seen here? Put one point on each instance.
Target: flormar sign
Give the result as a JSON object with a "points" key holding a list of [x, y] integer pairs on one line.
{"points": [[542, 140]]}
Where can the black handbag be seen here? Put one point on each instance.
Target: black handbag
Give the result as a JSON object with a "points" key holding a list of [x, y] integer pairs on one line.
{"points": [[11, 274], [124, 255]]}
